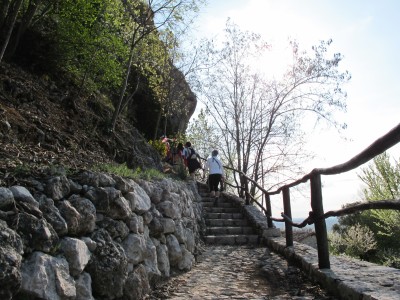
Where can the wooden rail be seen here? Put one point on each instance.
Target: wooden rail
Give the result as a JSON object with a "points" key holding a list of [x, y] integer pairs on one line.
{"points": [[317, 215]]}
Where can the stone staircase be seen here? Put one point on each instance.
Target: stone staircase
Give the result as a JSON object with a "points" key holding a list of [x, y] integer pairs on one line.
{"points": [[225, 223]]}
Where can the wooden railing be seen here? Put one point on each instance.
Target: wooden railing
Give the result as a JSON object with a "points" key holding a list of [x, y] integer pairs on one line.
{"points": [[317, 215]]}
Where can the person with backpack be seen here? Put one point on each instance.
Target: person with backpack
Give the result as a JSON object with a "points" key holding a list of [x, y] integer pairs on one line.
{"points": [[191, 159], [216, 174]]}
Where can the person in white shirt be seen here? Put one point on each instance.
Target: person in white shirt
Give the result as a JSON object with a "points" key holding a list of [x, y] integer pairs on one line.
{"points": [[216, 174]]}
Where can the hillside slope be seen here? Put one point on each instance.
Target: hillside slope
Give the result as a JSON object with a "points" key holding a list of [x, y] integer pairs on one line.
{"points": [[44, 124]]}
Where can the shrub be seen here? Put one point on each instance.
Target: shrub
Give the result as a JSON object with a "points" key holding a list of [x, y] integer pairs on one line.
{"points": [[357, 241], [124, 171], [148, 174], [336, 243], [117, 169], [160, 147], [389, 258], [181, 171]]}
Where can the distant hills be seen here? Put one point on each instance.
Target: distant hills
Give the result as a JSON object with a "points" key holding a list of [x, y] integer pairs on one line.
{"points": [[329, 223]]}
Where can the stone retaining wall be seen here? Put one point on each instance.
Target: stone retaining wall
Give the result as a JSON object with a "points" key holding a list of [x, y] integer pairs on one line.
{"points": [[95, 236], [106, 237]]}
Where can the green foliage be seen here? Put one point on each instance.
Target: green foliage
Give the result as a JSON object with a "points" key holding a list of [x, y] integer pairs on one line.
{"points": [[115, 47], [123, 171], [382, 179], [56, 249], [180, 138], [357, 241], [58, 170], [148, 174], [117, 169], [51, 170], [390, 258], [89, 40], [22, 169], [160, 147], [97, 43]]}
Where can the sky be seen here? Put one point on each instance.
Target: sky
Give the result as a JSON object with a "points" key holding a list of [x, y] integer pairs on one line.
{"points": [[365, 32]]}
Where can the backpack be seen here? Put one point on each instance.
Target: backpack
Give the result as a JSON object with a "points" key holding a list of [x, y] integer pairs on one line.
{"points": [[193, 154]]}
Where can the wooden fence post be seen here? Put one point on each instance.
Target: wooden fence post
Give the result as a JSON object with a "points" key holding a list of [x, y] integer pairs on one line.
{"points": [[269, 211], [320, 225], [288, 212], [247, 193], [242, 187], [246, 190]]}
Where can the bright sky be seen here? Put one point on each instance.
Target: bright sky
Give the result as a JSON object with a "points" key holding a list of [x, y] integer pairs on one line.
{"points": [[366, 33]]}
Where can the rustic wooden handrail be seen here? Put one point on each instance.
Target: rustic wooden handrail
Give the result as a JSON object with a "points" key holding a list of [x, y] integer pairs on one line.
{"points": [[317, 215], [258, 204], [382, 204], [378, 147]]}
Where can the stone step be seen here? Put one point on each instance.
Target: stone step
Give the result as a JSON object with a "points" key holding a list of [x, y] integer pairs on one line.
{"points": [[213, 215], [232, 239], [226, 222], [209, 198], [211, 209], [230, 230], [204, 194], [219, 204]]}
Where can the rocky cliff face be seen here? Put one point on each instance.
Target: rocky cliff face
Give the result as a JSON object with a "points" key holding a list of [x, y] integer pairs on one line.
{"points": [[95, 236], [144, 109]]}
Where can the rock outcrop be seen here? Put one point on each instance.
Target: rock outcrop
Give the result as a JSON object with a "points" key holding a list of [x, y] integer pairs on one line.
{"points": [[95, 236]]}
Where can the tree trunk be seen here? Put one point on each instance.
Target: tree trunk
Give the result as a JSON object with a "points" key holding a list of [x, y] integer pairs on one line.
{"points": [[25, 23], [165, 124], [3, 12], [137, 36], [129, 99], [117, 110], [10, 30], [157, 124]]}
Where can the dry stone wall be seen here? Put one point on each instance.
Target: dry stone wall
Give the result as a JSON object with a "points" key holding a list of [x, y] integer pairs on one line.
{"points": [[95, 236]]}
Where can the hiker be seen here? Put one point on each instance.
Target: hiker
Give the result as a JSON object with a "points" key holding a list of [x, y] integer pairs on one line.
{"points": [[191, 159], [178, 154], [216, 174]]}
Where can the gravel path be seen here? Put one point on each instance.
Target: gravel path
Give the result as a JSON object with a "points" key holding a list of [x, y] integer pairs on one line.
{"points": [[232, 272]]}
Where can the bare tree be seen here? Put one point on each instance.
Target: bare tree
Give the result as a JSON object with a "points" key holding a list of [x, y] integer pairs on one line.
{"points": [[203, 135], [258, 118]]}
